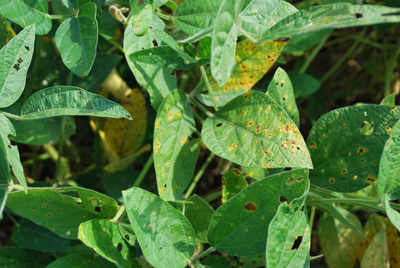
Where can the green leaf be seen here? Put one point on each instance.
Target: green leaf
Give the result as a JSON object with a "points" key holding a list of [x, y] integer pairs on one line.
{"points": [[16, 257], [392, 214], [27, 12], [16, 57], [81, 261], [199, 214], [76, 38], [204, 51], [258, 10], [62, 210], [303, 84], [142, 15], [158, 81], [377, 253], [281, 90], [6, 33], [3, 197], [64, 100], [29, 235], [107, 28], [339, 243], [389, 100], [115, 183], [104, 237], [240, 226], [165, 235], [75, 4], [126, 231], [254, 131], [303, 42], [54, 124], [261, 173], [346, 158], [175, 152], [232, 183]]}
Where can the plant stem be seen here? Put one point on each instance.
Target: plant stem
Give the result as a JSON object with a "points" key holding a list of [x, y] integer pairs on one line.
{"points": [[198, 175], [203, 254], [36, 65], [19, 187], [84, 171], [344, 200], [203, 73], [199, 35], [201, 107], [37, 158], [312, 215], [144, 171], [184, 79], [60, 148], [313, 55], [198, 117], [13, 116], [119, 215], [212, 196], [57, 17], [163, 16], [115, 44], [390, 69]]}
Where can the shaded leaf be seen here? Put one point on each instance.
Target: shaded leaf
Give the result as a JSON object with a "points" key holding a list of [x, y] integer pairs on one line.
{"points": [[16, 57], [217, 261], [232, 183], [6, 32], [303, 84], [260, 173], [164, 234], [240, 226], [3, 197], [16, 257], [107, 28], [142, 15], [377, 253], [75, 4], [76, 38], [81, 261], [254, 131], [126, 161], [115, 183], [204, 51], [389, 100], [303, 42], [54, 125], [175, 152], [126, 231], [65, 100], [26, 13], [344, 145], [199, 214]]}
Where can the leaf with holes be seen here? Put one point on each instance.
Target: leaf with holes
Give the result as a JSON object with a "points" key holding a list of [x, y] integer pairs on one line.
{"points": [[75, 4], [281, 90], [26, 13], [76, 38], [240, 226], [252, 63], [81, 260], [126, 231], [199, 214], [158, 81], [62, 210], [346, 143], [232, 183], [254, 131], [337, 239], [64, 100], [175, 152], [142, 15], [389, 100], [104, 237], [16, 57], [165, 235]]}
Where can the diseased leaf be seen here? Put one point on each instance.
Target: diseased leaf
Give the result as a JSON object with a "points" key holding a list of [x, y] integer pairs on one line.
{"points": [[65, 100], [158, 81], [232, 183], [252, 62], [344, 145], [281, 90], [175, 152], [199, 214], [126, 231], [15, 57], [339, 242], [303, 84], [142, 15], [76, 38], [254, 131], [309, 3], [81, 260], [240, 226], [377, 253], [392, 214], [389, 100], [104, 237], [17, 257], [75, 4], [62, 209], [6, 32], [164, 234], [27, 12], [261, 173]]}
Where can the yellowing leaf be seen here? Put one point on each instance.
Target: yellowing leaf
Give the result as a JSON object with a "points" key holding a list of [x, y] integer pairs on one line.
{"points": [[124, 136], [252, 63], [232, 183], [6, 32]]}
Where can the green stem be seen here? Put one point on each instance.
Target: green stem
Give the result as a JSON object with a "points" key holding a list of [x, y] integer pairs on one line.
{"points": [[35, 159], [19, 187], [201, 107], [60, 148], [119, 215], [144, 171], [390, 70], [203, 73], [212, 196], [184, 79], [247, 34], [345, 56], [198, 117], [199, 35], [115, 44], [36, 65], [344, 200], [84, 171], [313, 55], [163, 16], [16, 223], [198, 175], [13, 116], [312, 215], [203, 254], [58, 17]]}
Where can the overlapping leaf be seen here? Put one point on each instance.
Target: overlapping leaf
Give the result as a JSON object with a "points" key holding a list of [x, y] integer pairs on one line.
{"points": [[81, 260], [16, 57], [175, 152], [164, 234], [232, 183], [345, 156], [142, 15], [303, 84], [393, 215], [75, 4], [199, 214], [377, 253], [76, 38], [254, 131], [303, 42], [22, 258], [260, 173], [389, 100], [240, 226], [6, 32], [3, 197]]}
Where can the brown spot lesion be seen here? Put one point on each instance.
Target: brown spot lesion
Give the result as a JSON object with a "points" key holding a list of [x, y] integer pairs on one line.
{"points": [[250, 206], [170, 116], [237, 172], [362, 150], [393, 108], [371, 179], [312, 145], [289, 128], [250, 123], [233, 146], [344, 171], [388, 129], [258, 128], [331, 180]]}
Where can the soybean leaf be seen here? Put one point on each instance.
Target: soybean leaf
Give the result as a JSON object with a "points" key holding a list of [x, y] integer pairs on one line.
{"points": [[258, 10], [126, 161], [303, 42], [309, 3], [107, 27], [54, 124], [254, 131], [76, 38], [115, 183], [389, 100], [199, 214], [17, 257], [281, 90], [142, 15], [158, 81], [6, 33], [25, 13], [392, 214], [126, 231], [175, 152], [3, 197], [217, 261], [232, 183], [377, 253], [339, 243], [16, 57], [345, 146], [164, 234], [75, 4], [261, 173], [65, 100], [104, 237], [252, 63], [304, 84], [62, 210], [240, 226], [29, 235], [204, 51], [81, 260]]}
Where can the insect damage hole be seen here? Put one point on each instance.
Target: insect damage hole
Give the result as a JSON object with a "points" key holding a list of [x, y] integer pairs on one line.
{"points": [[358, 15], [367, 128], [297, 242], [119, 247], [218, 125], [283, 199]]}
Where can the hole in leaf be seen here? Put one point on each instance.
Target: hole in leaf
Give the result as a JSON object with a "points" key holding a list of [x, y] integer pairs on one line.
{"points": [[281, 84], [287, 169], [302, 209], [17, 67], [367, 128], [297, 242], [283, 199], [127, 237], [78, 203], [165, 185], [27, 48], [119, 247], [97, 209], [218, 125], [9, 146], [359, 15]]}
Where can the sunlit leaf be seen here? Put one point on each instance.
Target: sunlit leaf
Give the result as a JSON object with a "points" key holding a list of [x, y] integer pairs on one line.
{"points": [[232, 183], [260, 173], [393, 215], [389, 100], [142, 14], [199, 214], [3, 196]]}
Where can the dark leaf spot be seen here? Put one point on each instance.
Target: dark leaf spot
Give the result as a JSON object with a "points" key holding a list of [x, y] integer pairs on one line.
{"points": [[302, 209], [358, 15], [297, 242], [27, 48], [119, 247], [218, 125], [250, 206], [127, 237], [283, 199], [97, 209]]}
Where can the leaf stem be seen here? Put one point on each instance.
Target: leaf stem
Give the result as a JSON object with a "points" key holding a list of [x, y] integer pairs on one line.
{"points": [[115, 44], [13, 116], [119, 215], [312, 215], [60, 148], [58, 17], [204, 75], [247, 34], [163, 16], [198, 175], [199, 35], [203, 254], [36, 65], [35, 159], [390, 69], [212, 196], [201, 107], [313, 55], [144, 171]]}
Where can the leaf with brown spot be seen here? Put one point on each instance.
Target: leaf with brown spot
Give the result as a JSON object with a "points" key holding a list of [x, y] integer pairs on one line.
{"points": [[232, 183]]}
